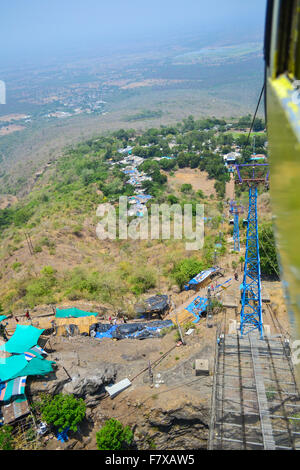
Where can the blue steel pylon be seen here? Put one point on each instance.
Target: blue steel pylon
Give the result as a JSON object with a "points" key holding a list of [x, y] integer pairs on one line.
{"points": [[236, 209], [251, 312], [236, 231]]}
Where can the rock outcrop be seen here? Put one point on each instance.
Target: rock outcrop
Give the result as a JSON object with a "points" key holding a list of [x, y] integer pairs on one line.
{"points": [[175, 429], [87, 383]]}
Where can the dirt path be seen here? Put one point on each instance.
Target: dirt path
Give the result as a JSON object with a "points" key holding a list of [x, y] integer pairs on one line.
{"points": [[230, 193]]}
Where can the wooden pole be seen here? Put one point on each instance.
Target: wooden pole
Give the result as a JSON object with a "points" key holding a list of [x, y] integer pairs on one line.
{"points": [[178, 325], [209, 309], [28, 243], [67, 372], [150, 374]]}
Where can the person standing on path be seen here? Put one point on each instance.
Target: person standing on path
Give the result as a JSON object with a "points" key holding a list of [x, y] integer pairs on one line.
{"points": [[3, 331], [27, 315]]}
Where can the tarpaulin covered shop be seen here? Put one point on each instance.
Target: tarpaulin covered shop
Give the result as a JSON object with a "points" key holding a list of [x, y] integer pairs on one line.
{"points": [[200, 279], [16, 408], [27, 359], [158, 304]]}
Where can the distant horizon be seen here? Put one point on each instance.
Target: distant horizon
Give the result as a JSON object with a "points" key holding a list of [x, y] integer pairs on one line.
{"points": [[33, 32]]}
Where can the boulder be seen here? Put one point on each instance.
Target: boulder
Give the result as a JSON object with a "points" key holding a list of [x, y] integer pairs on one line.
{"points": [[155, 304], [175, 289], [87, 383], [84, 384]]}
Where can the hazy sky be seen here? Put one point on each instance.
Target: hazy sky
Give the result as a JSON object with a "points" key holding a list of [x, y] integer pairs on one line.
{"points": [[31, 27]]}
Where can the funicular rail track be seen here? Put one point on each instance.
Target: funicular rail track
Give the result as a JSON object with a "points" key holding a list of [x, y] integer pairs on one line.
{"points": [[255, 396]]}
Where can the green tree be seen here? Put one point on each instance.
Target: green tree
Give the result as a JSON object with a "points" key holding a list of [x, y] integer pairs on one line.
{"points": [[185, 270], [114, 436], [183, 160], [220, 188], [244, 121], [143, 280], [200, 194], [166, 164], [172, 199], [158, 177], [6, 438], [267, 250], [63, 411], [258, 125], [186, 188]]}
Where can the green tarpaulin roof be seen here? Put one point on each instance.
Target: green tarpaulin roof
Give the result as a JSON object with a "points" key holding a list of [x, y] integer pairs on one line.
{"points": [[2, 317], [24, 338], [12, 366], [73, 312], [36, 366], [17, 366]]}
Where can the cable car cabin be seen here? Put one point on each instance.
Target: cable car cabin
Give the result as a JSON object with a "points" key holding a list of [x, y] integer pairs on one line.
{"points": [[245, 222], [231, 222], [282, 57]]}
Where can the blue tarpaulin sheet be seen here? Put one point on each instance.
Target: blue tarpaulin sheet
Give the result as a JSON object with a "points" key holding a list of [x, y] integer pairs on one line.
{"points": [[223, 284], [106, 334], [197, 307], [129, 330], [62, 435]]}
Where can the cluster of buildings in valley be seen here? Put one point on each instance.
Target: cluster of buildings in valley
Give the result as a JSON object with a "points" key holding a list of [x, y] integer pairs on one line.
{"points": [[135, 179], [69, 100], [74, 108], [230, 159]]}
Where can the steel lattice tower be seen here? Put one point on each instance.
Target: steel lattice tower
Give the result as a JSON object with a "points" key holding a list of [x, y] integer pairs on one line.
{"points": [[236, 210], [251, 311], [236, 232]]}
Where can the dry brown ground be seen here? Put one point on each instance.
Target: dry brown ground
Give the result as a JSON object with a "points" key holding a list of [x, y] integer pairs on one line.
{"points": [[198, 179], [150, 82], [7, 200], [12, 117], [10, 129], [230, 188]]}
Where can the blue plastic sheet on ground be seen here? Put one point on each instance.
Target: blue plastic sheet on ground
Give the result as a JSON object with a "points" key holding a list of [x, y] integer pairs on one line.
{"points": [[129, 330], [107, 333], [223, 284], [62, 435], [197, 307]]}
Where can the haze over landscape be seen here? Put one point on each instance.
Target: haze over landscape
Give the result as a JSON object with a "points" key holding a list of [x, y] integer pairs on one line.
{"points": [[72, 69]]}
